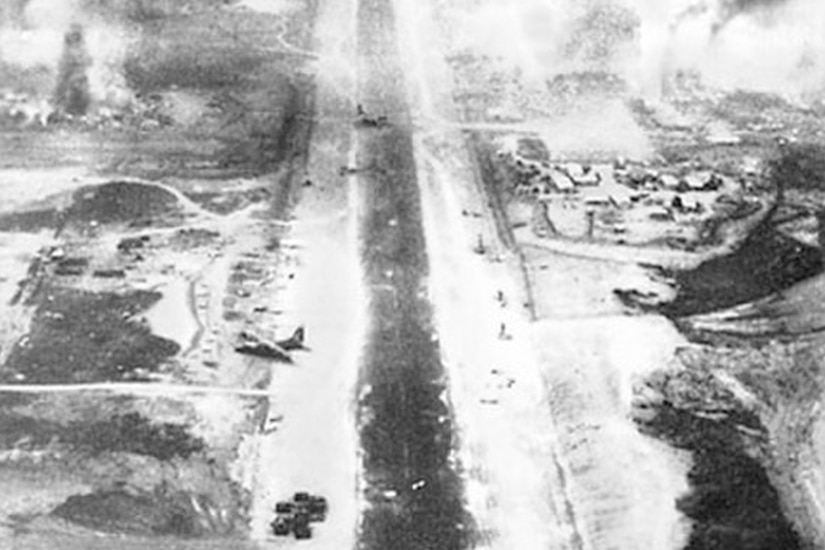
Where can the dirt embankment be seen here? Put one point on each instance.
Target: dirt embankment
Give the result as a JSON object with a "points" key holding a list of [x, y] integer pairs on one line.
{"points": [[748, 415], [772, 258], [767, 262], [746, 402]]}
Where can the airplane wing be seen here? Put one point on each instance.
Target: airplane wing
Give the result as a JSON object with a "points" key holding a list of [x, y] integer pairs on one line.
{"points": [[267, 350]]}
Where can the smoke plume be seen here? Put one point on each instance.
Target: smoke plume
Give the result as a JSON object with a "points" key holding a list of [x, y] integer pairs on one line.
{"points": [[62, 39], [772, 46], [72, 94]]}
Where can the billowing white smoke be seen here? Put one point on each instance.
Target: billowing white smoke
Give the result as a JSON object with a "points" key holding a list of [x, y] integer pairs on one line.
{"points": [[769, 46], [545, 37], [40, 40], [763, 45], [37, 42]]}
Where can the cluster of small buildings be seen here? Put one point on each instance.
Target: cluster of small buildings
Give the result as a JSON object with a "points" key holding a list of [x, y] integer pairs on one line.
{"points": [[539, 178], [617, 199], [641, 178], [533, 177]]}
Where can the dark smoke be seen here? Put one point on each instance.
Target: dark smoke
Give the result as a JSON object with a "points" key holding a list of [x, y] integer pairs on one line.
{"points": [[694, 10], [730, 9], [597, 37], [746, 5], [11, 12], [72, 95], [727, 11]]}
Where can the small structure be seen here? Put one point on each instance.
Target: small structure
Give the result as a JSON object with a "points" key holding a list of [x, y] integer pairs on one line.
{"points": [[561, 181], [366, 120], [600, 200], [591, 223], [661, 214], [696, 181], [714, 183], [480, 247], [537, 186], [669, 182], [585, 176]]}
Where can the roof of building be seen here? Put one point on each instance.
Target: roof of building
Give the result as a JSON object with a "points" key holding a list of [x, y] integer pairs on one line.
{"points": [[561, 180]]}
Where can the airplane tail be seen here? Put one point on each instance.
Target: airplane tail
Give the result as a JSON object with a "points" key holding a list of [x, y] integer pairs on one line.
{"points": [[294, 342]]}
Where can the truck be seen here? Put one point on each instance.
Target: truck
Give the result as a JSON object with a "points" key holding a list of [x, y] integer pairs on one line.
{"points": [[296, 515]]}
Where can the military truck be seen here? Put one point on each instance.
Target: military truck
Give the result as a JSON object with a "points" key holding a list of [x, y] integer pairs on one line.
{"points": [[295, 516]]}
